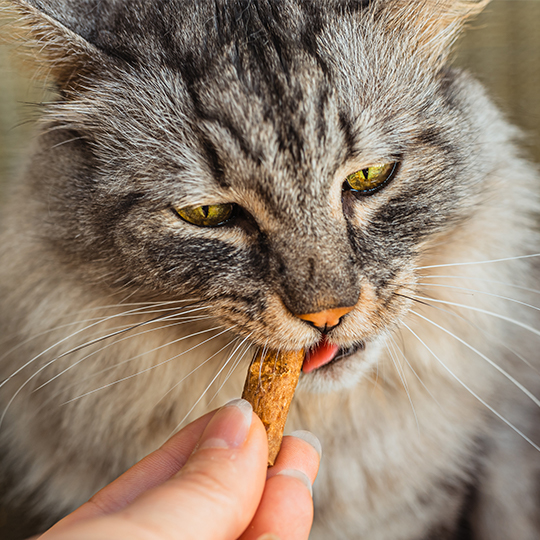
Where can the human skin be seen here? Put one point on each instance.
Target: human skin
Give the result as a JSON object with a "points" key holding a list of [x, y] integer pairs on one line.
{"points": [[208, 482]]}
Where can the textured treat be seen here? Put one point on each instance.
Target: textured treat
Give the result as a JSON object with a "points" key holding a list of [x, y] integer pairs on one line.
{"points": [[270, 386]]}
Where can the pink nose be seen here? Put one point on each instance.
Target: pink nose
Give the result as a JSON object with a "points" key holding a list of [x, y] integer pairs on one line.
{"points": [[326, 319]]}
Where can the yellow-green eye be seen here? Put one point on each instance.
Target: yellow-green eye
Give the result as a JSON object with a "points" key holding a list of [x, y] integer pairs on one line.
{"points": [[207, 216], [370, 179]]}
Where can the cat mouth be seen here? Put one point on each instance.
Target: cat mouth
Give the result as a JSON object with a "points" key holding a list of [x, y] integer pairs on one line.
{"points": [[325, 354]]}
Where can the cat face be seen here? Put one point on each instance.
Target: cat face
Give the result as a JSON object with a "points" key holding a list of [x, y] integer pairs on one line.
{"points": [[263, 115]]}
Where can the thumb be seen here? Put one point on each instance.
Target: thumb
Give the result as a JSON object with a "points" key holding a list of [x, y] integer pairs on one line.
{"points": [[213, 497]]}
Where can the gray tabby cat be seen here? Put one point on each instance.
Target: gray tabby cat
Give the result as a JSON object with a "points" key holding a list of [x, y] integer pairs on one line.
{"points": [[223, 175]]}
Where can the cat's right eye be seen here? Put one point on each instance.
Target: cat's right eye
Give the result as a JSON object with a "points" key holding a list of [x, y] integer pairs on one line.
{"points": [[212, 215], [369, 180]]}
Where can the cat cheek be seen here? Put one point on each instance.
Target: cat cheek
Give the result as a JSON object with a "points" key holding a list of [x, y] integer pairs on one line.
{"points": [[355, 212]]}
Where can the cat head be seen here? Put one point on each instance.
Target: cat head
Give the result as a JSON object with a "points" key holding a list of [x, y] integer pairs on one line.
{"points": [[277, 160]]}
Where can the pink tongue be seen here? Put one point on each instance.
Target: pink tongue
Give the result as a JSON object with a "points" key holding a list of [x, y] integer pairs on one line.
{"points": [[319, 356]]}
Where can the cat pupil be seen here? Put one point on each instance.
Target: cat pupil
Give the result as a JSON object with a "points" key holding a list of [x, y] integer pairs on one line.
{"points": [[205, 210]]}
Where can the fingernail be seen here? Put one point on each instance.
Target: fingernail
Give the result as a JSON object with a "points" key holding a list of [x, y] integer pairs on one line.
{"points": [[269, 536], [229, 427], [295, 473], [308, 437]]}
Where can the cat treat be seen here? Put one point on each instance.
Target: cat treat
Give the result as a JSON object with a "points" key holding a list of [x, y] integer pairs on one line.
{"points": [[270, 385]]}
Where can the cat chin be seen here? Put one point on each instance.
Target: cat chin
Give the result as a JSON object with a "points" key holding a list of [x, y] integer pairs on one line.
{"points": [[343, 374]]}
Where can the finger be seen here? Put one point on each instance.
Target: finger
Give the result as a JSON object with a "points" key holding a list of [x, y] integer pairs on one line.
{"points": [[214, 496], [150, 472], [302, 451], [286, 508]]}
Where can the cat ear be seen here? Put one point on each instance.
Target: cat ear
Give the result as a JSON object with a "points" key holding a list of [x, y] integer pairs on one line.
{"points": [[435, 24], [53, 38]]}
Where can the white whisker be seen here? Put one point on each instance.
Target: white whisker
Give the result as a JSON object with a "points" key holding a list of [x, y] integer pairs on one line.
{"points": [[75, 349], [62, 356], [209, 386], [151, 367], [474, 394], [116, 342], [84, 345], [485, 293], [480, 262], [529, 394], [485, 280], [19, 390], [160, 347], [484, 311], [403, 382], [132, 313], [196, 369], [236, 363], [489, 335], [414, 371], [265, 348]]}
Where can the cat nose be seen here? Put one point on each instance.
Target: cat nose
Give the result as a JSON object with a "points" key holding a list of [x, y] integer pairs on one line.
{"points": [[326, 320]]}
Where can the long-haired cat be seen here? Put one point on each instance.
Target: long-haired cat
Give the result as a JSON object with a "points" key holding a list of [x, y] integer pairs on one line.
{"points": [[215, 169]]}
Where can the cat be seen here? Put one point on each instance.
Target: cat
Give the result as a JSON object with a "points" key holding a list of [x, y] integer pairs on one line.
{"points": [[218, 176]]}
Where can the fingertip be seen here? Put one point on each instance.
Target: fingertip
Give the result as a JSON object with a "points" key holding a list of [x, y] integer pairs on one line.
{"points": [[299, 475], [229, 427], [269, 536], [286, 508], [310, 438], [300, 451]]}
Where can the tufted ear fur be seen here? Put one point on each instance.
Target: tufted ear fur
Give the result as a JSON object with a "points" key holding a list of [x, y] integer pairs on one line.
{"points": [[432, 25], [53, 38], [61, 35]]}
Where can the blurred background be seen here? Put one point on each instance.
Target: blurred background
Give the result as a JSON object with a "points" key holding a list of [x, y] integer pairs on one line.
{"points": [[502, 48]]}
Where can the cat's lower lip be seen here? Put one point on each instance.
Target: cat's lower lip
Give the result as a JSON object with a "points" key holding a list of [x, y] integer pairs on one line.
{"points": [[325, 354]]}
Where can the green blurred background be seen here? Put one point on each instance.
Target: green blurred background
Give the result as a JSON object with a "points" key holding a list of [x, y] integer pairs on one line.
{"points": [[502, 47]]}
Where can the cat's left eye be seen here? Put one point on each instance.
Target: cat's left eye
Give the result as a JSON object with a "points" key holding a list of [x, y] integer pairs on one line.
{"points": [[371, 179], [212, 215]]}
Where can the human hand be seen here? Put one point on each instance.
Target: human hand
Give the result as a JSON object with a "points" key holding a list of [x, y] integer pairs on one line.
{"points": [[208, 482]]}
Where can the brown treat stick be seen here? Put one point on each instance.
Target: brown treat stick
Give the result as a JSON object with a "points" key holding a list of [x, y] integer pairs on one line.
{"points": [[270, 386]]}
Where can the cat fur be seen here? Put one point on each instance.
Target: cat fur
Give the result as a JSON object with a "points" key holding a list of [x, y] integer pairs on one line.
{"points": [[271, 105]]}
